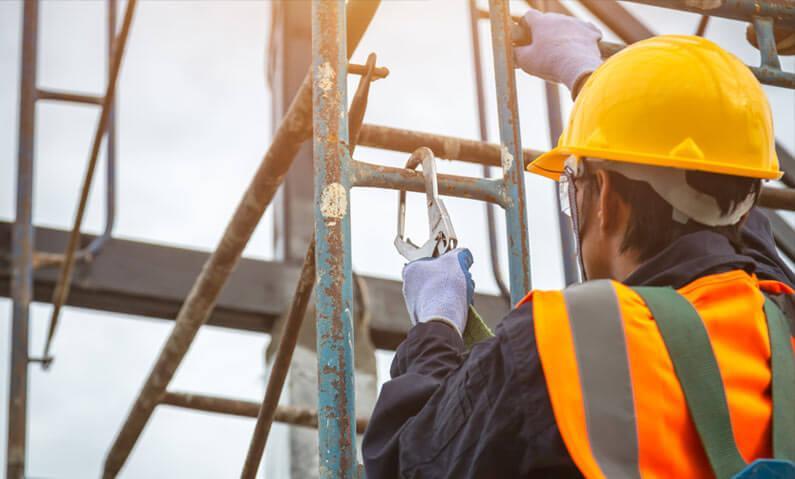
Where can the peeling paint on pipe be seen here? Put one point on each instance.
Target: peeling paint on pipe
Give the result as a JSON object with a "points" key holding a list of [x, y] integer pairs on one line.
{"points": [[446, 147], [334, 283]]}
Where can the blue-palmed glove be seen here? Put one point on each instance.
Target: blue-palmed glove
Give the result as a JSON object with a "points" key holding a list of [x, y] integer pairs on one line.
{"points": [[440, 289], [564, 49]]}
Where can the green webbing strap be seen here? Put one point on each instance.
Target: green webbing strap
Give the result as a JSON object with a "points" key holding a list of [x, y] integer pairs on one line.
{"points": [[476, 329], [694, 362], [783, 377]]}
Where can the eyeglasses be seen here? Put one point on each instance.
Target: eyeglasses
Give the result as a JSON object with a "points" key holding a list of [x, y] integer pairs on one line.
{"points": [[567, 191]]}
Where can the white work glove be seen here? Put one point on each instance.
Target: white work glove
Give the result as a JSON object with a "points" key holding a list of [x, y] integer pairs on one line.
{"points": [[564, 49], [439, 289]]}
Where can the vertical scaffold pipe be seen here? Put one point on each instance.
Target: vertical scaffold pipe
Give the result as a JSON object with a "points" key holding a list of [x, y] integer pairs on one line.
{"points": [[334, 293], [22, 249], [480, 98], [512, 164], [571, 271]]}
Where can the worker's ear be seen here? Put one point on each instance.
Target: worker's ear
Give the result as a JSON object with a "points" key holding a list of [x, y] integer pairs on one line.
{"points": [[613, 211]]}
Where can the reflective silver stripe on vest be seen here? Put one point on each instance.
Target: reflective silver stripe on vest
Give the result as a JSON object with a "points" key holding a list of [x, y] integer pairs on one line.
{"points": [[603, 364]]}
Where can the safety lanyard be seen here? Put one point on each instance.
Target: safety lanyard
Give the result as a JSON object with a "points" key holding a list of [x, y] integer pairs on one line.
{"points": [[688, 345]]}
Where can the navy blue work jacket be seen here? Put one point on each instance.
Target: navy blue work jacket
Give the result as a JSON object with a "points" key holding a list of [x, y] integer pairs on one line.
{"points": [[487, 414]]}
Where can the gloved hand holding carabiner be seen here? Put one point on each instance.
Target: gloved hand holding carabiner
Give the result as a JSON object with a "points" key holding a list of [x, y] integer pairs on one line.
{"points": [[437, 285], [440, 289]]}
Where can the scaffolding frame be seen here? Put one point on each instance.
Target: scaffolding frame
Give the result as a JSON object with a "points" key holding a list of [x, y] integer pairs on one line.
{"points": [[24, 260], [319, 112]]}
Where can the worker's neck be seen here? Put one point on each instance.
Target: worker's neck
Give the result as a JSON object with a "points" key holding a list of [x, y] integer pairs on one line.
{"points": [[625, 263]]}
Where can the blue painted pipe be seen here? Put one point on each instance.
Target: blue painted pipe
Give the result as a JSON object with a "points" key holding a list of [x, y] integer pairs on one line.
{"points": [[334, 293], [512, 165]]}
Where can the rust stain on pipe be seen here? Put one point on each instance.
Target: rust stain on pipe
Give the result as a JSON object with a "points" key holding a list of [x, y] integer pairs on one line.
{"points": [[447, 147]]}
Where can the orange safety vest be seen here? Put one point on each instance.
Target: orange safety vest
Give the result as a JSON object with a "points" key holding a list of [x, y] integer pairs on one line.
{"points": [[642, 417]]}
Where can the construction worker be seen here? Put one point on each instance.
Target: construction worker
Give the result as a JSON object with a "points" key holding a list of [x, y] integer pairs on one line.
{"points": [[673, 360]]}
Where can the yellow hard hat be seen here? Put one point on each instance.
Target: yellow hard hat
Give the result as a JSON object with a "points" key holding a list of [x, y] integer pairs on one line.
{"points": [[674, 100]]}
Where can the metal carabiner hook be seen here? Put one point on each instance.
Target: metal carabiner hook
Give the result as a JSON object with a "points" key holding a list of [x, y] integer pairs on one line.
{"points": [[442, 237]]}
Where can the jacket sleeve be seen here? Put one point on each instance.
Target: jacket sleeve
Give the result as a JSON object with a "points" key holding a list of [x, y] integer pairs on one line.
{"points": [[757, 236], [447, 414]]}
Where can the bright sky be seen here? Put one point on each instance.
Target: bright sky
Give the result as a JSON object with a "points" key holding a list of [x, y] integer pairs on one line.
{"points": [[194, 121]]}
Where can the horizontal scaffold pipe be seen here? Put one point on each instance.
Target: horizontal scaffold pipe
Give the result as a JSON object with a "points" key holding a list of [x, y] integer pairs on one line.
{"points": [[783, 12], [379, 176], [447, 147], [765, 74], [71, 97], [296, 416], [777, 198]]}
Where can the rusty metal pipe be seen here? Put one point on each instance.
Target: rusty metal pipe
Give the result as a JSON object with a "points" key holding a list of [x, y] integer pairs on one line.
{"points": [[377, 73], [334, 298], [767, 74], [519, 269], [618, 19], [203, 402], [22, 249], [777, 198], [71, 97], [447, 147], [64, 279], [294, 129], [389, 177], [269, 409], [701, 29], [296, 416], [744, 10]]}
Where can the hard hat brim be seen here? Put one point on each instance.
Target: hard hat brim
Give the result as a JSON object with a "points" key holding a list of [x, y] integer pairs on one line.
{"points": [[550, 164]]}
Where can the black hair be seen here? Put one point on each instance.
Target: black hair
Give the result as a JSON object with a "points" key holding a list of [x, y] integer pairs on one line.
{"points": [[651, 226]]}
